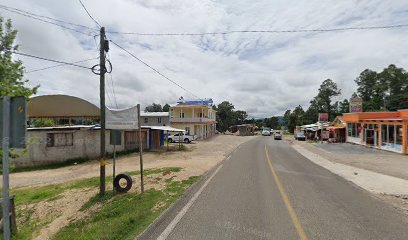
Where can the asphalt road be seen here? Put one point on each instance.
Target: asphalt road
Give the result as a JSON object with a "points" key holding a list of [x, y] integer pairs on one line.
{"points": [[266, 190]]}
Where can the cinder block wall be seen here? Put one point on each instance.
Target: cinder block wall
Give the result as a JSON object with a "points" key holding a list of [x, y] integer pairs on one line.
{"points": [[86, 144]]}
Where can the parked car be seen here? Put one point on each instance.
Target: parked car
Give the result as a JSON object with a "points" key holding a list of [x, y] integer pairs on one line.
{"points": [[181, 137], [266, 132], [277, 135], [300, 136]]}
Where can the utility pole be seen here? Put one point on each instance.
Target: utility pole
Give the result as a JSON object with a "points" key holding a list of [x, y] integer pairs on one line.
{"points": [[140, 149], [102, 102], [6, 139]]}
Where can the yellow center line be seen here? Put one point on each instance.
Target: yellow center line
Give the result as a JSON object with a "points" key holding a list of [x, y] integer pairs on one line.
{"points": [[292, 213]]}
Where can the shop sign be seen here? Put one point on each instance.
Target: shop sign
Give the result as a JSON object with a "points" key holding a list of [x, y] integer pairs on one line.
{"points": [[323, 117], [356, 105]]}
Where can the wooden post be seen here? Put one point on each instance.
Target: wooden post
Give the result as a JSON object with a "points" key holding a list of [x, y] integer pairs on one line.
{"points": [[404, 138], [140, 149], [167, 140]]}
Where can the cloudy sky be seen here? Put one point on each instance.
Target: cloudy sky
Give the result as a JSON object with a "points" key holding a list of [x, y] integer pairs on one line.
{"points": [[262, 73]]}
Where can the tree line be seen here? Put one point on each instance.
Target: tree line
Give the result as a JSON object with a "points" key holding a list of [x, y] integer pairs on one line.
{"points": [[380, 91]]}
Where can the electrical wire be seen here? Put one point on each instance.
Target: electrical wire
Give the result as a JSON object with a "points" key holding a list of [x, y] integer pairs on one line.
{"points": [[59, 65], [48, 59], [86, 10], [46, 17], [263, 31], [111, 79], [155, 70], [46, 21]]}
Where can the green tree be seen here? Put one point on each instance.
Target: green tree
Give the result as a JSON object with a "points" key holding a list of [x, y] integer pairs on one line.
{"points": [[286, 118], [225, 116], [240, 116], [344, 106], [274, 122], [327, 91], [154, 108], [166, 108], [395, 91], [43, 123], [296, 118], [371, 88], [11, 71]]}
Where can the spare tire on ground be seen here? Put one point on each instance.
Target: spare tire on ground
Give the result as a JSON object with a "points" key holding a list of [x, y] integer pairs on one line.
{"points": [[118, 187]]}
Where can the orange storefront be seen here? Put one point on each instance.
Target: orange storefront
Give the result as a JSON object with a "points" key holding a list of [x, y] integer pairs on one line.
{"points": [[382, 130]]}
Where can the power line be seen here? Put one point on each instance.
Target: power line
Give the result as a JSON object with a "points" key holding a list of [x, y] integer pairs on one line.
{"points": [[264, 31], [48, 59], [112, 83], [46, 17], [155, 70], [59, 65], [86, 10], [45, 21]]}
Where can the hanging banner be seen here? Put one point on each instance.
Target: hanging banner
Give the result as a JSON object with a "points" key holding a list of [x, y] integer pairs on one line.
{"points": [[356, 105], [123, 119]]}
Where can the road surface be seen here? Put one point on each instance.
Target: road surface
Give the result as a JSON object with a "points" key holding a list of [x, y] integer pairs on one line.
{"points": [[266, 190]]}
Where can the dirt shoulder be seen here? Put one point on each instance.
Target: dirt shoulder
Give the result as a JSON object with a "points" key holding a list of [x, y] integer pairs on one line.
{"points": [[200, 157]]}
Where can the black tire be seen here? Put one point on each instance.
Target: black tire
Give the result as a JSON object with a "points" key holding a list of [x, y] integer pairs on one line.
{"points": [[186, 141], [170, 140], [117, 186]]}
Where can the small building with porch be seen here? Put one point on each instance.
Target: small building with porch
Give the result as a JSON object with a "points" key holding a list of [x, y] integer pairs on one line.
{"points": [[381, 130]]}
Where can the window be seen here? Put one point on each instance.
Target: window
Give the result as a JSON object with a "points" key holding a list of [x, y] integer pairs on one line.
{"points": [[353, 130], [391, 133], [181, 115], [398, 134], [384, 134], [159, 120], [59, 139], [146, 120], [188, 130]]}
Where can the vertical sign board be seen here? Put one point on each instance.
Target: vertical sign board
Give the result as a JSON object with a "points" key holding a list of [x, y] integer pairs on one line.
{"points": [[12, 135], [18, 122], [356, 105], [323, 117]]}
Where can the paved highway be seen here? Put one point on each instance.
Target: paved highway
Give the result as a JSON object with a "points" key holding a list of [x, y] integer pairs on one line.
{"points": [[266, 190]]}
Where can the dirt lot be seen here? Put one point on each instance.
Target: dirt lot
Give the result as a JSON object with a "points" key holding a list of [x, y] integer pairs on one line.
{"points": [[200, 157]]}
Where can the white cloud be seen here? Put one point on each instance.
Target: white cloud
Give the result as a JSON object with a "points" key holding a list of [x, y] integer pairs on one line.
{"points": [[264, 74]]}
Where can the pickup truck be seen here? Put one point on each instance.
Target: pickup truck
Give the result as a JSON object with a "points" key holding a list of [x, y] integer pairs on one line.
{"points": [[181, 137]]}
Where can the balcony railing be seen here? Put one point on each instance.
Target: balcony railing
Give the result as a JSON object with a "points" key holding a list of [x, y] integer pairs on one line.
{"points": [[179, 120]]}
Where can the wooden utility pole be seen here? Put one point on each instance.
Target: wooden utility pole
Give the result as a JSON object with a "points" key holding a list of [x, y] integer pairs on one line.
{"points": [[140, 149], [102, 102]]}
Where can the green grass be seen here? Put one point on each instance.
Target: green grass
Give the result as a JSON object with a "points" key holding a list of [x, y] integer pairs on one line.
{"points": [[124, 216], [53, 192], [46, 193]]}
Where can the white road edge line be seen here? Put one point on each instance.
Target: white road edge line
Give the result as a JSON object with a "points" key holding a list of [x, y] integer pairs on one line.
{"points": [[228, 158], [183, 211]]}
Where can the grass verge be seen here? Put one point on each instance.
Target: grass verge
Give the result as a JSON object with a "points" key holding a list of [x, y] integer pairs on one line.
{"points": [[127, 215], [44, 193], [28, 224]]}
